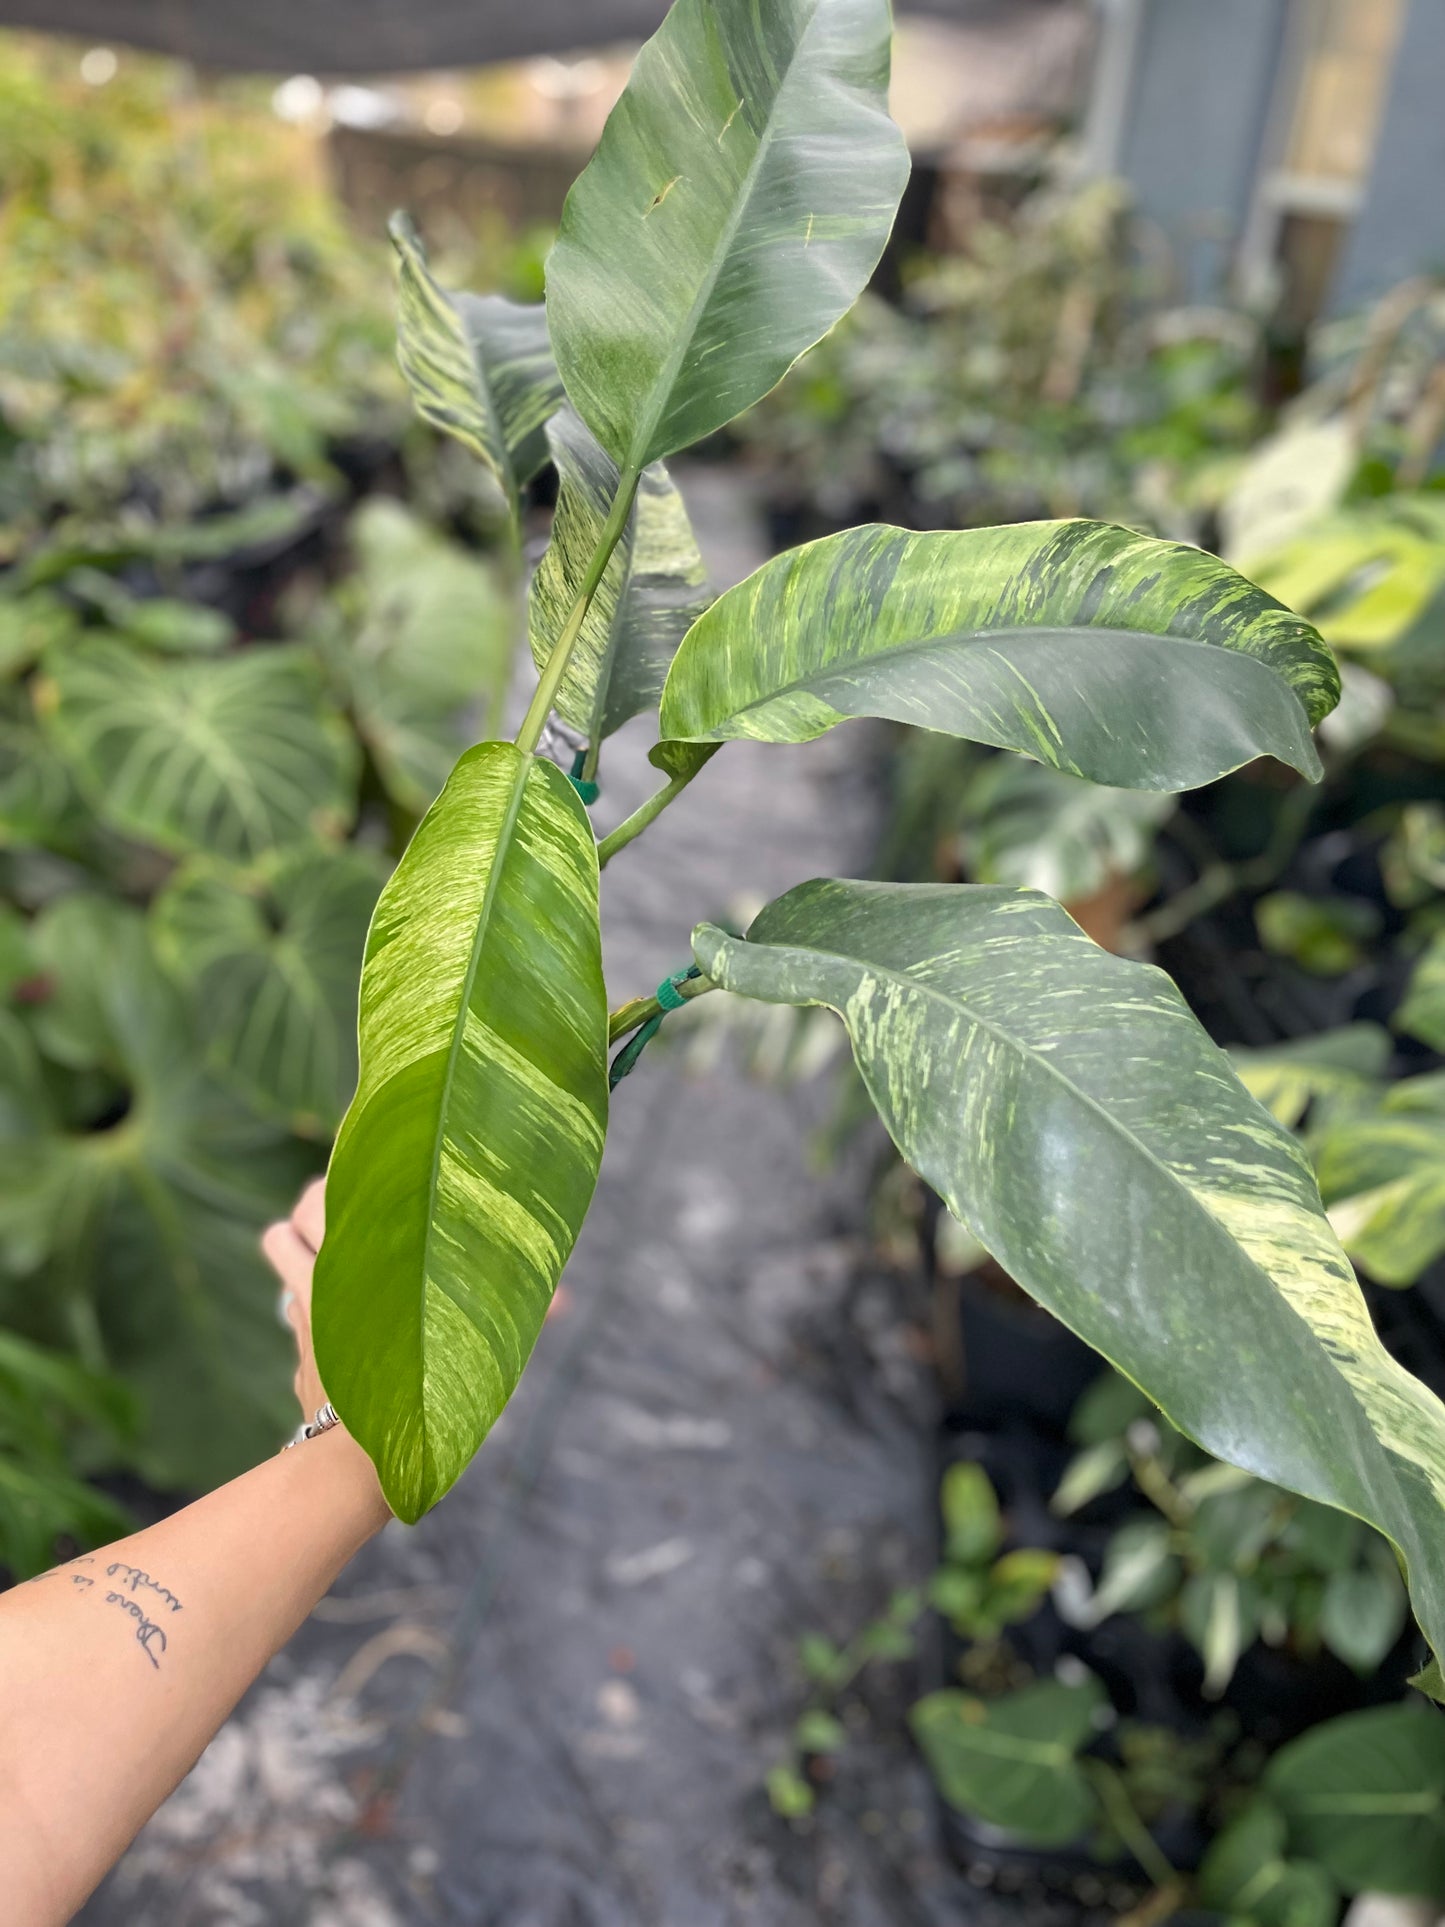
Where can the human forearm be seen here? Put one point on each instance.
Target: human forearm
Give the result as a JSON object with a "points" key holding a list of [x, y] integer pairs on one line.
{"points": [[116, 1670]]}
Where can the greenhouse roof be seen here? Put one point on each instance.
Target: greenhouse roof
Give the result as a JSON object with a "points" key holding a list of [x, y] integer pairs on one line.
{"points": [[385, 36]]}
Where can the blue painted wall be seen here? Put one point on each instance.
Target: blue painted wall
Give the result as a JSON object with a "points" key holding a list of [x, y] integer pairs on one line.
{"points": [[1202, 84], [1401, 227]]}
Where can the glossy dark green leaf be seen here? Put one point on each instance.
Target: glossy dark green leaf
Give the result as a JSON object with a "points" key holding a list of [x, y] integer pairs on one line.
{"points": [[1071, 1112], [466, 1162], [479, 366], [1365, 1796], [1013, 1761], [1137, 663], [272, 958], [736, 206], [652, 591], [232, 757]]}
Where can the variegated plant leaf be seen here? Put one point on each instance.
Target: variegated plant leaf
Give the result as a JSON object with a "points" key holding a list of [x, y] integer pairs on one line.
{"points": [[1077, 1120], [466, 1162], [652, 591], [1332, 1068], [233, 756], [1422, 1013], [479, 366], [737, 204], [1381, 1169], [272, 958], [1137, 663]]}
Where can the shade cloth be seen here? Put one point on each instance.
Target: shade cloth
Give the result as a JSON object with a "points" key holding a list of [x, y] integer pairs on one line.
{"points": [[331, 37]]}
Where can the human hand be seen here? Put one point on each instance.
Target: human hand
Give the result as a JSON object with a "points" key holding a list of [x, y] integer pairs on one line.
{"points": [[291, 1246]]}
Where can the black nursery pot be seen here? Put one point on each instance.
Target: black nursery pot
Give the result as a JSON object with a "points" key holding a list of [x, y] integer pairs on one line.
{"points": [[1019, 1365]]}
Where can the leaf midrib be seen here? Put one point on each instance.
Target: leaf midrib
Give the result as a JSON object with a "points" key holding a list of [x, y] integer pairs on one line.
{"points": [[459, 1024], [967, 638], [672, 367], [1120, 1130]]}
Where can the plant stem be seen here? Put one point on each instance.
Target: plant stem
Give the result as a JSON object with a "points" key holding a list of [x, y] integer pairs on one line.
{"points": [[1120, 1809], [545, 694], [629, 1016], [634, 825]]}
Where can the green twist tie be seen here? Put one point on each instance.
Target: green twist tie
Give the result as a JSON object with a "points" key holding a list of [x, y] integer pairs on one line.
{"points": [[589, 792], [670, 997], [668, 993]]}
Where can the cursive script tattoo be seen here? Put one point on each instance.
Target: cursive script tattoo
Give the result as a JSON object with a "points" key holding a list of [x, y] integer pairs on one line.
{"points": [[148, 1633], [134, 1580]]}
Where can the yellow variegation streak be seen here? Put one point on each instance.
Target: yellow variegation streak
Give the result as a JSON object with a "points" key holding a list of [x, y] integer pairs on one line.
{"points": [[1074, 1116], [466, 1163], [1133, 662]]}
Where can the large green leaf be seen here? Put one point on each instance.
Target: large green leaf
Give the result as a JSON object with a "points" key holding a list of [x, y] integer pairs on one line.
{"points": [[1012, 1761], [651, 592], [1134, 662], [421, 638], [54, 1413], [1365, 1795], [139, 1225], [1074, 1116], [737, 204], [467, 1160], [272, 957], [233, 757], [39, 802], [479, 366]]}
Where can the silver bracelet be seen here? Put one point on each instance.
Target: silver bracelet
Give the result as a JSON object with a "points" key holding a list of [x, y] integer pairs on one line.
{"points": [[326, 1416]]}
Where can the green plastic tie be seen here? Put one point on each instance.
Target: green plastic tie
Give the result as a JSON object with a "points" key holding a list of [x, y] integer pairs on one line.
{"points": [[589, 792], [669, 995]]}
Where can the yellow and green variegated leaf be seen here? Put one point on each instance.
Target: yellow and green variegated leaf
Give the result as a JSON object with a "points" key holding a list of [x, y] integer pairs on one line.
{"points": [[1365, 575], [652, 590], [1137, 663], [466, 1162], [272, 958], [1422, 1013], [232, 757], [479, 366], [1077, 1120], [1382, 1173], [738, 202], [1335, 1067]]}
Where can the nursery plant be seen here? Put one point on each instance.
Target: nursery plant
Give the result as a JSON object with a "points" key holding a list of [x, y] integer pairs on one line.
{"points": [[1064, 1103]]}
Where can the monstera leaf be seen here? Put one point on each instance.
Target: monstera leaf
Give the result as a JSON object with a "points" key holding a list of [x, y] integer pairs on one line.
{"points": [[272, 957], [736, 206], [147, 1215], [651, 592], [422, 644], [1013, 1762], [479, 367], [1136, 663], [232, 757], [467, 1160], [1077, 1120]]}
